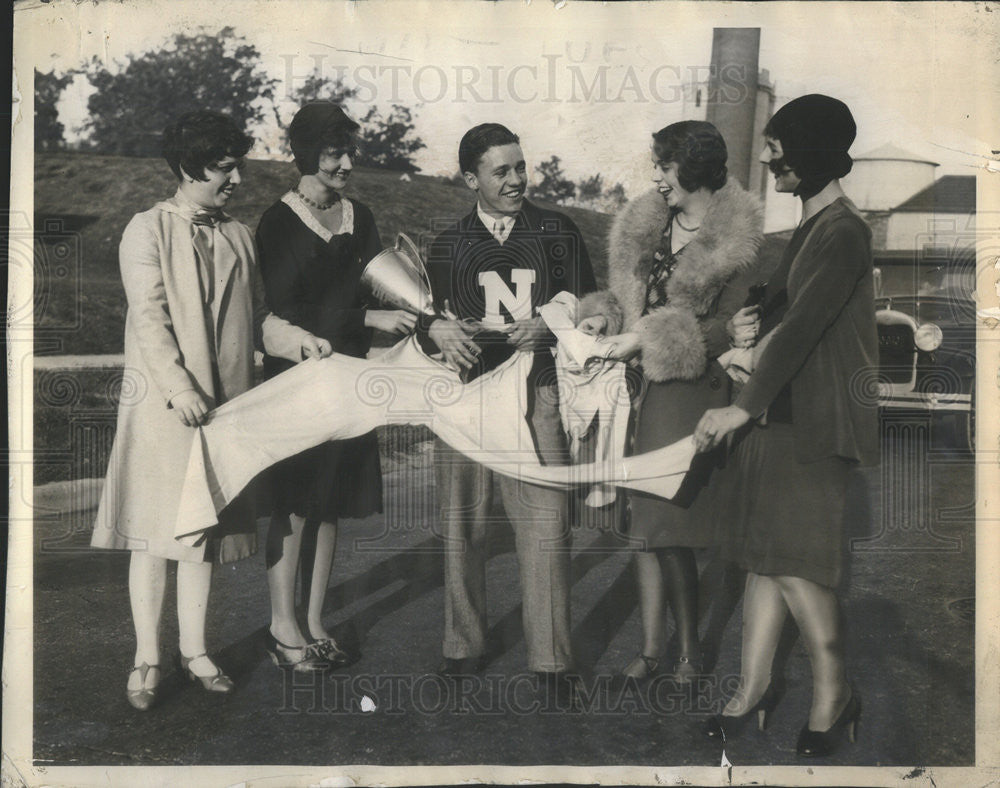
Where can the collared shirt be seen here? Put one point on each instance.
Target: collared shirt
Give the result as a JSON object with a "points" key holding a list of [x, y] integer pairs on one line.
{"points": [[499, 228]]}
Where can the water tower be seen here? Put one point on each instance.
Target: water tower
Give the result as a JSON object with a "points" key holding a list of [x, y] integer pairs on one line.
{"points": [[887, 177]]}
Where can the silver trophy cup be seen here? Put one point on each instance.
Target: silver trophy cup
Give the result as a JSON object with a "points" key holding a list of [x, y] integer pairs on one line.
{"points": [[397, 278]]}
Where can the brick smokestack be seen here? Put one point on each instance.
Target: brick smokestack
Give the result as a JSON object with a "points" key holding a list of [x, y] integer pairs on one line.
{"points": [[732, 95]]}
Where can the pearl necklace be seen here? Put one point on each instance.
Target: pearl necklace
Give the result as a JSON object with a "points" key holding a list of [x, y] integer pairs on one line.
{"points": [[318, 206]]}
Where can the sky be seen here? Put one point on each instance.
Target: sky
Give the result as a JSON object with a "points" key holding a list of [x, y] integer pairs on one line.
{"points": [[588, 82]]}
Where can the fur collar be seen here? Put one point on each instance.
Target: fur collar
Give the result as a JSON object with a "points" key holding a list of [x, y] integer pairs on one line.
{"points": [[726, 244]]}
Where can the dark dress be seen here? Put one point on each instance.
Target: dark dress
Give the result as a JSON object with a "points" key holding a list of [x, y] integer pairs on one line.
{"points": [[785, 516], [312, 279], [667, 412]]}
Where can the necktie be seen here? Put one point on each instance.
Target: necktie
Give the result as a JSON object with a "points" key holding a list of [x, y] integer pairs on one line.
{"points": [[207, 218], [203, 242], [498, 230], [203, 239], [204, 222]]}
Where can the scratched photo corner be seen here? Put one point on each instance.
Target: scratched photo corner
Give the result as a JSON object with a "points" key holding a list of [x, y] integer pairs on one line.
{"points": [[446, 384]]}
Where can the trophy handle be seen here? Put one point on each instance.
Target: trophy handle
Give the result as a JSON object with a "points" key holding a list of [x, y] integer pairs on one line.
{"points": [[405, 244]]}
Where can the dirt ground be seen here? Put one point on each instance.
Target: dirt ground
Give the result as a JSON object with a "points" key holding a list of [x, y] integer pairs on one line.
{"points": [[907, 602]]}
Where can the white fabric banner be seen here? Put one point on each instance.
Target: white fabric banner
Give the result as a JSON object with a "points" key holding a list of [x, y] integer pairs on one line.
{"points": [[343, 397]]}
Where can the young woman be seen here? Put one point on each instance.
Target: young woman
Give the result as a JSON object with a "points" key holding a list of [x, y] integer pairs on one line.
{"points": [[679, 266], [792, 475], [195, 306], [314, 244]]}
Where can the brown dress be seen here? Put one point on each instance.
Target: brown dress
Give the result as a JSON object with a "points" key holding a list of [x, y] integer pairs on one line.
{"points": [[667, 412], [313, 278], [785, 512]]}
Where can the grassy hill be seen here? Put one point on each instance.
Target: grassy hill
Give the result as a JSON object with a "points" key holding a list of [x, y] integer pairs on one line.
{"points": [[84, 201], [82, 204]]}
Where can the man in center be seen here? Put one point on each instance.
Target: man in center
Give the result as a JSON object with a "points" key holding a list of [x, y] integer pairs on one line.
{"points": [[495, 267]]}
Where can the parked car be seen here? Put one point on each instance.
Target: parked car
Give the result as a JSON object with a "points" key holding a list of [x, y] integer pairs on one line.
{"points": [[927, 350]]}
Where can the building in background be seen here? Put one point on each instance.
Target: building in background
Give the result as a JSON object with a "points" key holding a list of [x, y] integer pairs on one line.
{"points": [[942, 215], [883, 178], [914, 215], [926, 244], [922, 235], [738, 98]]}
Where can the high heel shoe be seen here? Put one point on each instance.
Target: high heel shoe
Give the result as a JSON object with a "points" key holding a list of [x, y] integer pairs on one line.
{"points": [[819, 744], [219, 682], [302, 658], [687, 670], [650, 666], [329, 650], [144, 697], [721, 726]]}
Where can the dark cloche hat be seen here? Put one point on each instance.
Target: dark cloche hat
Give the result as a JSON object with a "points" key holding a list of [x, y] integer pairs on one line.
{"points": [[815, 132]]}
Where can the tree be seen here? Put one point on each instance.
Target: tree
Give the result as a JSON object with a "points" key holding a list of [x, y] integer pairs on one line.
{"points": [[317, 88], [554, 185], [614, 198], [389, 143], [589, 190], [130, 108], [48, 129], [591, 193]]}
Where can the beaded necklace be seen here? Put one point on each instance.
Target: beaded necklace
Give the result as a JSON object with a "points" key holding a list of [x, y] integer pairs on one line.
{"points": [[317, 205]]}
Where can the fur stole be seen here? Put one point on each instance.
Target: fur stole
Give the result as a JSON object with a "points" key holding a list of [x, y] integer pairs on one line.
{"points": [[672, 343]]}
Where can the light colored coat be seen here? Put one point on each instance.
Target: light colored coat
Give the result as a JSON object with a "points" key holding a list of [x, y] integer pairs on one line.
{"points": [[168, 351], [708, 285]]}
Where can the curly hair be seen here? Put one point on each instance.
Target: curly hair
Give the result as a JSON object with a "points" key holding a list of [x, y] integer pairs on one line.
{"points": [[199, 139], [699, 150]]}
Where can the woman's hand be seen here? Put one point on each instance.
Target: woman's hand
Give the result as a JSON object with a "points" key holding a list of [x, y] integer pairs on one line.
{"points": [[190, 408], [623, 346], [744, 326], [453, 340], [595, 325], [316, 347], [392, 321], [716, 424]]}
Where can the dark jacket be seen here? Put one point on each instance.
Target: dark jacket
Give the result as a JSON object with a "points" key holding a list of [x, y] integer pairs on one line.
{"points": [[475, 274], [826, 346]]}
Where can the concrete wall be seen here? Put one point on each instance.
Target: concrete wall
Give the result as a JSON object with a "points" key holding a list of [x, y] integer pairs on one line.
{"points": [[917, 230]]}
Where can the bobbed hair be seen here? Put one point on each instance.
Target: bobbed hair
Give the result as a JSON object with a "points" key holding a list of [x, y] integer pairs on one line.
{"points": [[699, 150], [317, 126], [479, 139], [199, 139]]}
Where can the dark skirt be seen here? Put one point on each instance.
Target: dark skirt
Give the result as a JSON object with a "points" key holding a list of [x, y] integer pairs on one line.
{"points": [[782, 516], [331, 481], [668, 412]]}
